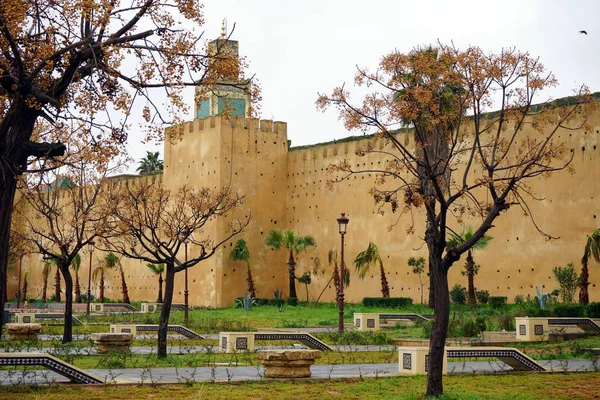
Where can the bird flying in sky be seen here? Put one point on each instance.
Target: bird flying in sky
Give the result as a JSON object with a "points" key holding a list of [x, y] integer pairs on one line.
{"points": [[583, 32]]}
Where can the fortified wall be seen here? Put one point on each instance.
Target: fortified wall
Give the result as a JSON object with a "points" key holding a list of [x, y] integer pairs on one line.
{"points": [[285, 188]]}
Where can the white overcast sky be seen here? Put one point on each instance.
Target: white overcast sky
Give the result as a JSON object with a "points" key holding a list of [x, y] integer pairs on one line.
{"points": [[299, 48]]}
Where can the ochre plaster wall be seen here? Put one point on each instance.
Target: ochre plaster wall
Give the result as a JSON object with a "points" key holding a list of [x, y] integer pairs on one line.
{"points": [[286, 189]]}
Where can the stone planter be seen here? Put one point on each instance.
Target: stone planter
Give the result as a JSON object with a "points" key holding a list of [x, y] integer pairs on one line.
{"points": [[288, 363], [23, 331], [113, 342]]}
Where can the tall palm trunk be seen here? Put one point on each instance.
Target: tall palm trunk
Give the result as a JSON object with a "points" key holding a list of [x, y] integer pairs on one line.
{"points": [[8, 185], [57, 285], [584, 282], [124, 287], [102, 286], [250, 281], [292, 272], [77, 289], [471, 278], [45, 286], [160, 292], [385, 287]]}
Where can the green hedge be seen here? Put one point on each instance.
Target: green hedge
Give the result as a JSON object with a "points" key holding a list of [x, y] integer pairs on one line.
{"points": [[593, 310], [569, 310], [393, 302], [498, 301]]}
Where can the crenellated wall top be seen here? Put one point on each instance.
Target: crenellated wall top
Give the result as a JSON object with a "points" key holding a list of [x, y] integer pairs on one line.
{"points": [[220, 121]]}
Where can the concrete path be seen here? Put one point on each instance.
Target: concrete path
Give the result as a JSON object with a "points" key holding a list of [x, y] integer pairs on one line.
{"points": [[21, 376]]}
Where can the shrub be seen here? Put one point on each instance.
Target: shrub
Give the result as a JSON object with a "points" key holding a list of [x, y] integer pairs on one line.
{"points": [[292, 301], [259, 301], [506, 322], [569, 310], [593, 310], [568, 280], [391, 302], [498, 301], [458, 294], [483, 296], [519, 299], [468, 328]]}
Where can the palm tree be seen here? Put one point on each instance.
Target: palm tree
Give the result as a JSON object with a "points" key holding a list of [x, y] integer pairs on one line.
{"points": [[470, 267], [151, 164], [332, 259], [592, 248], [76, 264], [45, 275], [111, 261], [294, 244], [363, 261], [241, 253], [158, 269]]}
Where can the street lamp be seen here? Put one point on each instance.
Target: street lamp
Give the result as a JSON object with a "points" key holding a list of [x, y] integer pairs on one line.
{"points": [[342, 225], [185, 237], [89, 293]]}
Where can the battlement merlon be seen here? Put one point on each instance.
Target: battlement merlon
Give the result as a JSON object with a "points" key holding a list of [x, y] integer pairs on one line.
{"points": [[220, 121]]}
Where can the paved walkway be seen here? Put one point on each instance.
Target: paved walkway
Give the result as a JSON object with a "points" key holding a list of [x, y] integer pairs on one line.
{"points": [[21, 376]]}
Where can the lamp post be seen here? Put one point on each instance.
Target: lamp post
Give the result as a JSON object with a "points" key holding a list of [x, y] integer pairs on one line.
{"points": [[89, 292], [342, 225]]}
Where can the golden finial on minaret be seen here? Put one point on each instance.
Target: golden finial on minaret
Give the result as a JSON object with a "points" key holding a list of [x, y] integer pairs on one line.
{"points": [[224, 28]]}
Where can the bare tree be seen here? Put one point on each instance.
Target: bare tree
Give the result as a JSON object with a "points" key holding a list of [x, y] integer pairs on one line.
{"points": [[62, 215], [152, 223], [464, 163]]}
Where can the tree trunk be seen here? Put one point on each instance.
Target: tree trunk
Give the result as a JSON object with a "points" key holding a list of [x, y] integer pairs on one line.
{"points": [[385, 287], [166, 310], [77, 289], [160, 282], [471, 279], [8, 185], [45, 287], [124, 287], [68, 328], [431, 301], [57, 286], [250, 281], [584, 282], [102, 286], [439, 278], [25, 288], [292, 272]]}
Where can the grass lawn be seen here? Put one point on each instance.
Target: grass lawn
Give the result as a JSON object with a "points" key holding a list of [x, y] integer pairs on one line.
{"points": [[509, 387]]}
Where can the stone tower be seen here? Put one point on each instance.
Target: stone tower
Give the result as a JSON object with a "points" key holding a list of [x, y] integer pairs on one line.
{"points": [[226, 91]]}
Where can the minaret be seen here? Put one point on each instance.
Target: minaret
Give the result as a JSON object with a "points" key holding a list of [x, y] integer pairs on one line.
{"points": [[225, 93]]}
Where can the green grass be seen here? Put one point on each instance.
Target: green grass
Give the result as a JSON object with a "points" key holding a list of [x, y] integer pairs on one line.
{"points": [[501, 387]]}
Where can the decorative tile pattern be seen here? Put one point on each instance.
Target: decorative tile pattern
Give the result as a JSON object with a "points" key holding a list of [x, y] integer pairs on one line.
{"points": [[171, 328], [412, 317], [304, 338], [575, 321], [241, 343], [357, 324], [538, 330], [55, 365], [126, 330], [224, 342], [26, 319], [98, 307], [406, 361], [370, 323], [515, 355], [522, 330], [150, 308]]}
